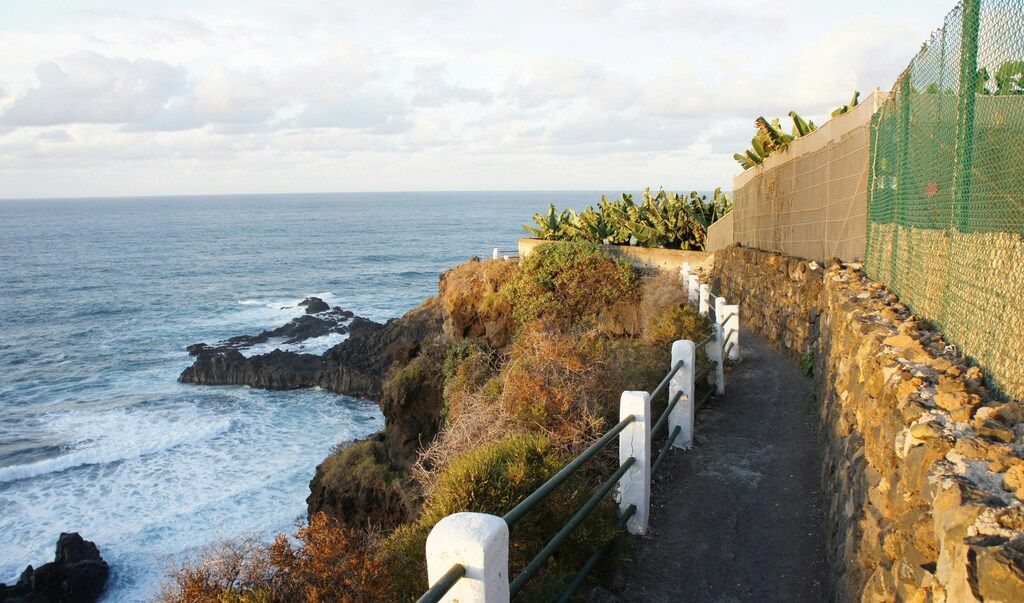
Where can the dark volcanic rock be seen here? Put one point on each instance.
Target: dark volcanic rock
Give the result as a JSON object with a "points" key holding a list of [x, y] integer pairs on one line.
{"points": [[314, 305], [358, 486], [76, 575], [355, 367]]}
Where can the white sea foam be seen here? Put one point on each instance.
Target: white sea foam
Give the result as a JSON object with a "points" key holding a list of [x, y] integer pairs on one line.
{"points": [[131, 439], [314, 345], [149, 511]]}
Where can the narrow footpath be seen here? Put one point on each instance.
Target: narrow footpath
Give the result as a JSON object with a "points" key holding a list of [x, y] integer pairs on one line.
{"points": [[740, 517]]}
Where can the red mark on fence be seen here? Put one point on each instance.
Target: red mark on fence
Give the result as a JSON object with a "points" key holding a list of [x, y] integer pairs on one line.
{"points": [[932, 189]]}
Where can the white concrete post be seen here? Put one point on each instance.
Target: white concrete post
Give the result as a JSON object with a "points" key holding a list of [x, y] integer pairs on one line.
{"points": [[684, 272], [494, 254], [635, 441], [713, 350], [719, 304], [480, 543], [693, 289], [705, 299], [682, 414], [732, 330]]}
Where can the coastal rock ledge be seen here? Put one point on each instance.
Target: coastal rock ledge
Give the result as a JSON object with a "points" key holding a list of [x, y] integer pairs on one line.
{"points": [[77, 574]]}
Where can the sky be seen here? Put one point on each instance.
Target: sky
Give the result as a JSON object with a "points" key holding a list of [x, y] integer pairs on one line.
{"points": [[122, 98]]}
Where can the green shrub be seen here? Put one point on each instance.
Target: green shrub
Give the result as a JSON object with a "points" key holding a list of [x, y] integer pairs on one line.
{"points": [[569, 283], [493, 479], [457, 354], [807, 362]]}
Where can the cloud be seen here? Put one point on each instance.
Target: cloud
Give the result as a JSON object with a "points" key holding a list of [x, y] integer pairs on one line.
{"points": [[433, 90], [86, 87]]}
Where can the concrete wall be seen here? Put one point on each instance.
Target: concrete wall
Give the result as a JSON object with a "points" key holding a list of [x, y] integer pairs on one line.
{"points": [[661, 259], [721, 234], [924, 469]]}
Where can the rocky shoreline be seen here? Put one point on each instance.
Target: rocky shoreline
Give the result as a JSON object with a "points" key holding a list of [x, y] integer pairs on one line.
{"points": [[359, 366], [77, 574]]}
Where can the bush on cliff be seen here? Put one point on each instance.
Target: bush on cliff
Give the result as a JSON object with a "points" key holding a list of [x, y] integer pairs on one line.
{"points": [[570, 283], [323, 561], [493, 479]]}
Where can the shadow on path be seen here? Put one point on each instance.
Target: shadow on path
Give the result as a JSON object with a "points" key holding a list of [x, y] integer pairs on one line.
{"points": [[739, 517]]}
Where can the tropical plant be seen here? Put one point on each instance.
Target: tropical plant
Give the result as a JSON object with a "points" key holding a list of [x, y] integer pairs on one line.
{"points": [[770, 137], [661, 219], [846, 108]]}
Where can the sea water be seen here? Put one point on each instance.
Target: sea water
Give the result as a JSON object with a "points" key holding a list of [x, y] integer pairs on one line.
{"points": [[100, 297]]}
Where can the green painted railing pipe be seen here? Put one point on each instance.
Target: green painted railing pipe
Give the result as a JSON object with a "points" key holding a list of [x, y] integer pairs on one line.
{"points": [[581, 576], [664, 448], [440, 588], [726, 319], [558, 539], [541, 493], [703, 400], [668, 377], [704, 373], [728, 349], [668, 409], [706, 341]]}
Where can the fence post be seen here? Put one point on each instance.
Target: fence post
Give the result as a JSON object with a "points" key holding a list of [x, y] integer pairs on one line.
{"points": [[705, 299], [732, 330], [682, 414], [693, 289], [494, 254], [684, 272], [635, 441], [716, 346], [480, 543]]}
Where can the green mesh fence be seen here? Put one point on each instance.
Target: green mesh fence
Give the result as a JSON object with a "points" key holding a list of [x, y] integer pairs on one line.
{"points": [[946, 203]]}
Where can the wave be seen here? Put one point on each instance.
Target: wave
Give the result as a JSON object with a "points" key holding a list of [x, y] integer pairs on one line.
{"points": [[118, 450]]}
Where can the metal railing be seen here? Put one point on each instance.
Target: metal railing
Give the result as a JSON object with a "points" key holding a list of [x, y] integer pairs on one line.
{"points": [[493, 581]]}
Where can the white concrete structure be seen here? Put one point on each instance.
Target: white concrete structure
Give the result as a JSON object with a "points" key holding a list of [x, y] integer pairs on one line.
{"points": [[494, 254], [635, 441], [719, 304], [693, 289], [713, 350], [705, 299], [682, 415], [732, 329], [684, 272], [480, 543]]}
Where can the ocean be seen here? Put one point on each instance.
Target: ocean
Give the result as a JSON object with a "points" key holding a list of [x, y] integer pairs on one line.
{"points": [[100, 297]]}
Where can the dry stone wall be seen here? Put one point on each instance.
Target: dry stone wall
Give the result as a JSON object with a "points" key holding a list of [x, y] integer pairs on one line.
{"points": [[779, 296], [924, 469]]}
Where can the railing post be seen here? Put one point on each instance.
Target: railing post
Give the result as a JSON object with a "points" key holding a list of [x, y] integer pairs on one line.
{"points": [[480, 543], [713, 350], [635, 442], [705, 299], [693, 289], [732, 330], [684, 272], [494, 254], [682, 415]]}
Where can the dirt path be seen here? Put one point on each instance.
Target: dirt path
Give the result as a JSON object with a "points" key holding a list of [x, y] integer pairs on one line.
{"points": [[740, 517]]}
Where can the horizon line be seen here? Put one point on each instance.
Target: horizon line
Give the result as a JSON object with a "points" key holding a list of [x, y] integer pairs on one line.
{"points": [[364, 192]]}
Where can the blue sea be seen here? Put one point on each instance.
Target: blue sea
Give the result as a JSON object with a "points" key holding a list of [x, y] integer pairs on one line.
{"points": [[98, 299]]}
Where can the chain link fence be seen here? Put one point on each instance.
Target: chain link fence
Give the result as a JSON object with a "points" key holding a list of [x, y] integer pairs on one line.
{"points": [[946, 202]]}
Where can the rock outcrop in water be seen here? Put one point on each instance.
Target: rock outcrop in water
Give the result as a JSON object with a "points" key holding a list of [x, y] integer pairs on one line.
{"points": [[77, 574], [354, 367]]}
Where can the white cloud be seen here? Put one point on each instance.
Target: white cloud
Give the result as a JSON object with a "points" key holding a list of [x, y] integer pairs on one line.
{"points": [[86, 87], [346, 95]]}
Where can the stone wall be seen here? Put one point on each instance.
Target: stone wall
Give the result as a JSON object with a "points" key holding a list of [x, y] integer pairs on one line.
{"points": [[779, 296], [925, 470]]}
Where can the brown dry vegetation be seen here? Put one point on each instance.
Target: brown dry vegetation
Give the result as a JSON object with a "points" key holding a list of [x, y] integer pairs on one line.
{"points": [[538, 357]]}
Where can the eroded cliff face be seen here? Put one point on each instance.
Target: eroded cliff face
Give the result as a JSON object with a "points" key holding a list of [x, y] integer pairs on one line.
{"points": [[400, 365]]}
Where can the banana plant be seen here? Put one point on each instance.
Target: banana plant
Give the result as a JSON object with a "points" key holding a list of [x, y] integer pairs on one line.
{"points": [[550, 226], [845, 108]]}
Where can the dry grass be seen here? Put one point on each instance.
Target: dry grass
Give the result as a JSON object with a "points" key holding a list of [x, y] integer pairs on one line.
{"points": [[327, 564]]}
